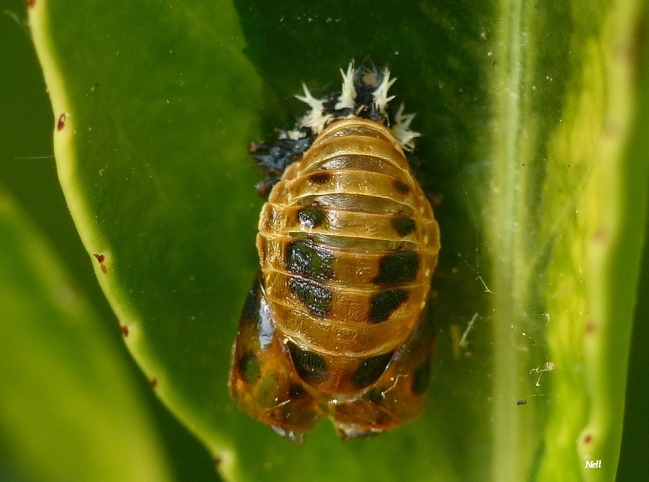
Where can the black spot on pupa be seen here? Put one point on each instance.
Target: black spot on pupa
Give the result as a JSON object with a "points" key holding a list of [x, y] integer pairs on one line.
{"points": [[248, 366], [375, 395], [401, 186], [397, 267], [403, 225], [371, 370], [316, 298], [309, 365], [310, 260], [296, 391], [320, 178], [250, 312], [421, 379], [311, 217], [384, 303]]}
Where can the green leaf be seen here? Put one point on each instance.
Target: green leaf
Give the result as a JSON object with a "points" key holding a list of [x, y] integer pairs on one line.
{"points": [[527, 111], [64, 414]]}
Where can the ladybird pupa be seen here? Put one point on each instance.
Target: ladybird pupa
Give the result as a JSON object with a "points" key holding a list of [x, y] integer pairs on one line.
{"points": [[335, 324]]}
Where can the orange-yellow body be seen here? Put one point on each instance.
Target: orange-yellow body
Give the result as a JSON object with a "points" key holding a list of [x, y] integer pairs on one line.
{"points": [[335, 323]]}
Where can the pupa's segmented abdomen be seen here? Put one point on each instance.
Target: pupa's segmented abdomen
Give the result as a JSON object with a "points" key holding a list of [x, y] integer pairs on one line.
{"points": [[348, 244]]}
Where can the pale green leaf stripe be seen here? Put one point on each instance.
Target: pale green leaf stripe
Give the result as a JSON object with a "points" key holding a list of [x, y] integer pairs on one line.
{"points": [[567, 271]]}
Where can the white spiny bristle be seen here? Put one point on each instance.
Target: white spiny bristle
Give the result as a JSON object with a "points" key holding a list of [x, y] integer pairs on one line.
{"points": [[348, 96], [294, 135], [309, 99], [401, 130], [380, 95], [315, 118]]}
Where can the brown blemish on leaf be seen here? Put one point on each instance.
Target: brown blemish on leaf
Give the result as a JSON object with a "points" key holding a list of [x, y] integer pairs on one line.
{"points": [[124, 330], [588, 438], [153, 383], [60, 124], [600, 235], [100, 259]]}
